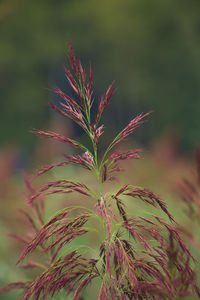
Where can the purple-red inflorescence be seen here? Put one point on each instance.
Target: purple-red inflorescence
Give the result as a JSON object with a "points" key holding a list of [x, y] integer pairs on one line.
{"points": [[139, 257]]}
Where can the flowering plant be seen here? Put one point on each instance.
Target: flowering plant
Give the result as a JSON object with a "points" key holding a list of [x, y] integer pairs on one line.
{"points": [[138, 257]]}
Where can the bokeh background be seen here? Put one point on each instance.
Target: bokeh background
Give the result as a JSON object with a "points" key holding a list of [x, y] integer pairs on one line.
{"points": [[150, 48]]}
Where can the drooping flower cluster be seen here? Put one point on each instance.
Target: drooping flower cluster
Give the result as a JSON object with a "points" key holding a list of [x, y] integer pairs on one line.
{"points": [[139, 257]]}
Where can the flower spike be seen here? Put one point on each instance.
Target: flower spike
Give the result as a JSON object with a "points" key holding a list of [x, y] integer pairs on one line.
{"points": [[130, 256]]}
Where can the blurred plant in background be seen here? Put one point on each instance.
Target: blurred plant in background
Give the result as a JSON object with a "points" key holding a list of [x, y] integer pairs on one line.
{"points": [[189, 191], [133, 257]]}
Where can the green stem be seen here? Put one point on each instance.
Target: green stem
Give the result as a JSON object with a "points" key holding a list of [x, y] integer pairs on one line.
{"points": [[98, 170], [107, 151]]}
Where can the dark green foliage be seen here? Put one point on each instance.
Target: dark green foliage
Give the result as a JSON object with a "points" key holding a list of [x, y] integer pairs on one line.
{"points": [[152, 47]]}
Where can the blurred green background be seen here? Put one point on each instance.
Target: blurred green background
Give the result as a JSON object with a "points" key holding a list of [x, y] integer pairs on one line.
{"points": [[151, 49]]}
